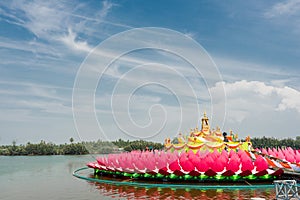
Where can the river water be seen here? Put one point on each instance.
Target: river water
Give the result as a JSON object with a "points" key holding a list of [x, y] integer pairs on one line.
{"points": [[50, 177]]}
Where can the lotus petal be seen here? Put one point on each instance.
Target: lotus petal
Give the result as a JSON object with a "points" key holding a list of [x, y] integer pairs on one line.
{"points": [[231, 153], [91, 164], [280, 155], [174, 166], [150, 165], [218, 166], [261, 164], [264, 151], [233, 164], [247, 165], [297, 157], [100, 161], [186, 165], [161, 163]]}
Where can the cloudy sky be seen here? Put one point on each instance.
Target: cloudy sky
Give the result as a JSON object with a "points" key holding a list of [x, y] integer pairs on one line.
{"points": [[249, 81]]}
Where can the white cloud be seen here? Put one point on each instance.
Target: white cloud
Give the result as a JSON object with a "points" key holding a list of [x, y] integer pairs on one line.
{"points": [[288, 8], [247, 97], [106, 7], [285, 18], [290, 98], [41, 18], [249, 86], [71, 41], [51, 20]]}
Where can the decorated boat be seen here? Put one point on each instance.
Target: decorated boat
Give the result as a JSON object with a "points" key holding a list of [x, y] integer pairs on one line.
{"points": [[203, 155]]}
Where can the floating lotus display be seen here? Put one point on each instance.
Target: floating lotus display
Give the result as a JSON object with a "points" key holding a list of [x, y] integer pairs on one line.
{"points": [[284, 158], [203, 155]]}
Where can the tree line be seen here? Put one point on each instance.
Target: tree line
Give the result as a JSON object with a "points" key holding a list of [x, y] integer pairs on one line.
{"points": [[138, 145], [42, 148], [271, 142], [104, 147], [80, 148]]}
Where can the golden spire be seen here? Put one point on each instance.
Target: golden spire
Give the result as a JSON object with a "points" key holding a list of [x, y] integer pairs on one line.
{"points": [[205, 128]]}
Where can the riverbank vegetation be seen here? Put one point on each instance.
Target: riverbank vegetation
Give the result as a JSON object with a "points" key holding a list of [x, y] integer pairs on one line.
{"points": [[271, 142], [104, 147], [80, 148], [43, 148]]}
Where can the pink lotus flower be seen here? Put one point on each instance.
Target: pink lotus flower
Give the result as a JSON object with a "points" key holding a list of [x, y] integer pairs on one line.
{"points": [[223, 163]]}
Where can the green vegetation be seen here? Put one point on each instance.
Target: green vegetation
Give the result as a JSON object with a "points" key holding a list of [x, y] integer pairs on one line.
{"points": [[138, 145], [103, 147], [120, 145], [42, 148], [272, 142], [98, 147]]}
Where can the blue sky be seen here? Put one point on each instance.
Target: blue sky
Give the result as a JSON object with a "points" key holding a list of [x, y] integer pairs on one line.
{"points": [[254, 44]]}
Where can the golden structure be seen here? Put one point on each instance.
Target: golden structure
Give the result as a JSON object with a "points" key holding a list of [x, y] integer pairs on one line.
{"points": [[207, 139]]}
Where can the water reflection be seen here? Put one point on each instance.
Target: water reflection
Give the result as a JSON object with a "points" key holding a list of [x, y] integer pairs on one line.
{"points": [[133, 192]]}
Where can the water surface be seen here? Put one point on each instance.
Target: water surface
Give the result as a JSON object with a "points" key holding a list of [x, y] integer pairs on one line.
{"points": [[50, 177]]}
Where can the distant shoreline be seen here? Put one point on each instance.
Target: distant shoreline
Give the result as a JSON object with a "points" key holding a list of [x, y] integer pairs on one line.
{"points": [[80, 148], [106, 147]]}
